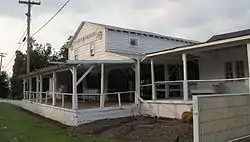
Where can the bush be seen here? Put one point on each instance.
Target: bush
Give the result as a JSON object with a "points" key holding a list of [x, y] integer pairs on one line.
{"points": [[187, 117]]}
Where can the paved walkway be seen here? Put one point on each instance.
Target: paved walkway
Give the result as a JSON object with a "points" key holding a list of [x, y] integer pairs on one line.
{"points": [[14, 102]]}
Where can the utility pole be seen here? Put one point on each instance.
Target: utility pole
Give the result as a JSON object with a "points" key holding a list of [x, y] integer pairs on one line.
{"points": [[1, 61], [28, 14]]}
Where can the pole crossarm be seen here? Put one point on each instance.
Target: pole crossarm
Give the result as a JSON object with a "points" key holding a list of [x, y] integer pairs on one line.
{"points": [[28, 14]]}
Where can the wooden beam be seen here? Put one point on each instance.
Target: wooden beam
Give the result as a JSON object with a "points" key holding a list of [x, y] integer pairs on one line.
{"points": [[185, 83], [24, 87], [53, 89], [74, 96], [30, 87], [84, 75], [41, 88], [153, 80], [166, 79], [37, 87], [137, 82], [248, 59], [102, 86]]}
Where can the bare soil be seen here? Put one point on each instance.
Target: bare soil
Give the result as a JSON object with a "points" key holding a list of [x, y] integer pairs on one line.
{"points": [[131, 129], [135, 129]]}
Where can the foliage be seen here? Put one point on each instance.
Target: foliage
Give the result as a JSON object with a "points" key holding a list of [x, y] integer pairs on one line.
{"points": [[187, 117], [40, 56], [4, 85], [20, 126]]}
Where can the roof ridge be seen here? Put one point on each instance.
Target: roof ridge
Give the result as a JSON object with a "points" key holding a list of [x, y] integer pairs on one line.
{"points": [[141, 31]]}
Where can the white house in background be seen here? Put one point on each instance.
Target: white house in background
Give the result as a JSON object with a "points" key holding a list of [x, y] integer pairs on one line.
{"points": [[115, 72]]}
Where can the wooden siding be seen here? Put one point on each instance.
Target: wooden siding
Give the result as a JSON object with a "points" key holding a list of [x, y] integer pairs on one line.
{"points": [[119, 42], [83, 48], [212, 66]]}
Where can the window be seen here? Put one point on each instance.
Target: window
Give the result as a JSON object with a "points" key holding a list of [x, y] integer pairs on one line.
{"points": [[229, 70], [239, 69], [133, 42], [92, 49]]}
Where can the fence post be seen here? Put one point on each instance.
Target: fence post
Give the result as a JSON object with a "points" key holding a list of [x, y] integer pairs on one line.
{"points": [[119, 99], [196, 119], [46, 97], [62, 100]]}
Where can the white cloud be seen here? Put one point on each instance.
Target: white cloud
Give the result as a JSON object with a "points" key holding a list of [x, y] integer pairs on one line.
{"points": [[192, 19]]}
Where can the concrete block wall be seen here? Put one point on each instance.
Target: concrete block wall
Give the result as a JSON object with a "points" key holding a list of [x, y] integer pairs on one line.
{"points": [[220, 118]]}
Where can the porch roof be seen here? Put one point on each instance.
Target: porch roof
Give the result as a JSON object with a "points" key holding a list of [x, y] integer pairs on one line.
{"points": [[46, 70], [59, 66], [209, 43]]}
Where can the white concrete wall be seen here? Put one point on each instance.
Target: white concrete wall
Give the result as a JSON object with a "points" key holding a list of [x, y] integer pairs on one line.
{"points": [[219, 118], [212, 66], [65, 116], [90, 115], [78, 117], [83, 47], [119, 42], [166, 108]]}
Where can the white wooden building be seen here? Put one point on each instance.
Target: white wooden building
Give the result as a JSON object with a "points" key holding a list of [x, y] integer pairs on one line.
{"points": [[116, 72]]}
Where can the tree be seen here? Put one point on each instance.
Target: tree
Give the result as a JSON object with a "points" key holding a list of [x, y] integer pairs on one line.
{"points": [[4, 85], [40, 55]]}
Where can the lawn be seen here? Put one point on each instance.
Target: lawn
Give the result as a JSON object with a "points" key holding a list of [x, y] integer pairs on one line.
{"points": [[17, 125]]}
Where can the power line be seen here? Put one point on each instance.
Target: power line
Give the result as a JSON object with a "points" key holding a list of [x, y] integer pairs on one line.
{"points": [[46, 23]]}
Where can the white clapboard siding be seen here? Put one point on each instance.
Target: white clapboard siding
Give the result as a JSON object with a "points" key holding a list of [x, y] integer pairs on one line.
{"points": [[83, 48], [119, 42]]}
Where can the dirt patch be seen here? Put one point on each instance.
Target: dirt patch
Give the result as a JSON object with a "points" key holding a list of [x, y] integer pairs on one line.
{"points": [[130, 129], [139, 129]]}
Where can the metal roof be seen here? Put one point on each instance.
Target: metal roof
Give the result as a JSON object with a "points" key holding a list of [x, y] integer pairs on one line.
{"points": [[143, 32], [229, 35], [46, 70], [109, 27]]}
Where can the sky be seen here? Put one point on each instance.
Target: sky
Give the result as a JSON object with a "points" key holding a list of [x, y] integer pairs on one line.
{"points": [[190, 19]]}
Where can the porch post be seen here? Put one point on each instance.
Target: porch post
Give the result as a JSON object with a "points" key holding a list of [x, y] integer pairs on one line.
{"points": [[153, 80], [102, 86], [166, 79], [53, 89], [137, 81], [185, 83], [74, 82], [24, 87], [37, 87], [248, 59], [41, 89], [30, 88]]}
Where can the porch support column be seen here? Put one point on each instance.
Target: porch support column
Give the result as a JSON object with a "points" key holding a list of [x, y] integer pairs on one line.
{"points": [[37, 87], [30, 87], [102, 86], [137, 81], [166, 79], [53, 89], [41, 89], [185, 83], [74, 83], [248, 59], [24, 87], [153, 80]]}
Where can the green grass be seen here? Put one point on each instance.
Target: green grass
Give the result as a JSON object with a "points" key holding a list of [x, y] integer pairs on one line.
{"points": [[19, 126]]}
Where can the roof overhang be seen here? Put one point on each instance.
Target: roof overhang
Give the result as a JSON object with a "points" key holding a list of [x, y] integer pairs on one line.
{"points": [[47, 70], [201, 45], [100, 61]]}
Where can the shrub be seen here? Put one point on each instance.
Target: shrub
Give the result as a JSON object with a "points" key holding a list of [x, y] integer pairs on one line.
{"points": [[187, 117]]}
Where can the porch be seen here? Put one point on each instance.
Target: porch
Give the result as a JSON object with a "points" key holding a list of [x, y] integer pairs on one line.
{"points": [[79, 92], [208, 68]]}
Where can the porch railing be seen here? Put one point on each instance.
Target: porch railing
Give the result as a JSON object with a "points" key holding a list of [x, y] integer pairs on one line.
{"points": [[208, 86]]}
